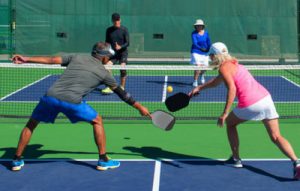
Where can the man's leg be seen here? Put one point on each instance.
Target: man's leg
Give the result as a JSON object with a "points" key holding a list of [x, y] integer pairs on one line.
{"points": [[104, 162], [26, 135], [24, 139], [107, 90], [123, 57], [99, 135], [123, 74]]}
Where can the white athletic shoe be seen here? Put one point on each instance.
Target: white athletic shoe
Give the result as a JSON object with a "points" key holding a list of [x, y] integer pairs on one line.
{"points": [[195, 83], [237, 163], [202, 79]]}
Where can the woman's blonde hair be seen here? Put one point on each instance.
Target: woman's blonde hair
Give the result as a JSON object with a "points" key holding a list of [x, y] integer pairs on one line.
{"points": [[221, 58]]}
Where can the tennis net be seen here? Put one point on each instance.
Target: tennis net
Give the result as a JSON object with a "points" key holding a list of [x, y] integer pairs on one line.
{"points": [[23, 85]]}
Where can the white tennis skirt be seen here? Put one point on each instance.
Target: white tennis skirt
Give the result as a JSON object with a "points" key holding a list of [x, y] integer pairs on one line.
{"points": [[199, 59], [263, 109]]}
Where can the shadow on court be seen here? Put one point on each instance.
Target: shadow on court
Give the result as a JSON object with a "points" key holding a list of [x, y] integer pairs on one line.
{"points": [[265, 173], [157, 153], [177, 161], [34, 151]]}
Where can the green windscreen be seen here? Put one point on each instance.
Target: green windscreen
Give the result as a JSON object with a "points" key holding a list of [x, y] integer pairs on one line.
{"points": [[5, 30], [250, 28]]}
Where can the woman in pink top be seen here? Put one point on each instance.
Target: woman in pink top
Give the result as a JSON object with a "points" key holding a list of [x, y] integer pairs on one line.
{"points": [[254, 103]]}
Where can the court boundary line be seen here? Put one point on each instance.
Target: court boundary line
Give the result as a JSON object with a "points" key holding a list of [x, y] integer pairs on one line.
{"points": [[18, 90], [156, 176], [290, 81], [164, 96]]}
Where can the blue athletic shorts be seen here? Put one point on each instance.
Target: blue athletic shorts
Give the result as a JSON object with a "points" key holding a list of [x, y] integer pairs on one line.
{"points": [[49, 107]]}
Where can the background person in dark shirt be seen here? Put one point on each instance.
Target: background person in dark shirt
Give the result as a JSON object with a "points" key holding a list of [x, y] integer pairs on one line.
{"points": [[118, 36]]}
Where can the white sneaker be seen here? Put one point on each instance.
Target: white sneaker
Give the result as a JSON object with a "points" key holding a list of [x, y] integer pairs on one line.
{"points": [[195, 84], [202, 79], [237, 163]]}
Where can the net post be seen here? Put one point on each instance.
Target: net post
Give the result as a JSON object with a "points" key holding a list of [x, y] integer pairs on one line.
{"points": [[281, 61]]}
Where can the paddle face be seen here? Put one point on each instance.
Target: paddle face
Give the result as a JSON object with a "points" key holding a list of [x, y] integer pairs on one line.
{"points": [[163, 120], [177, 101]]}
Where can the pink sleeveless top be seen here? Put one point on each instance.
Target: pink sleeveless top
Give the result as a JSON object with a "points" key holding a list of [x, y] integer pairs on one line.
{"points": [[248, 90]]}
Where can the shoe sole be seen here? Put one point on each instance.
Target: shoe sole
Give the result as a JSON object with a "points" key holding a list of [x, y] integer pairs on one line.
{"points": [[234, 166], [106, 93], [17, 168], [106, 168]]}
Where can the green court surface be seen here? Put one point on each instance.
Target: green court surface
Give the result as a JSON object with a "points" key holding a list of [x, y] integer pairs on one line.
{"points": [[141, 140]]}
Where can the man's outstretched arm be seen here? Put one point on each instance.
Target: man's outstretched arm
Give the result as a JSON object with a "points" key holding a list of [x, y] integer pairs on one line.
{"points": [[19, 59]]}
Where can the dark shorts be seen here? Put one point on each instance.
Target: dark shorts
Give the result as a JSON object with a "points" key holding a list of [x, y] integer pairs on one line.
{"points": [[120, 57], [49, 107]]}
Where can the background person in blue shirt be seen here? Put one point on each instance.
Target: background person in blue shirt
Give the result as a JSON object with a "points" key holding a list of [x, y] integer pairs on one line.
{"points": [[199, 51]]}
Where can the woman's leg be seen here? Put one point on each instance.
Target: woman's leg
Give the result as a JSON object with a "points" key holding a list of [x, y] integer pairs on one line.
{"points": [[272, 127], [196, 75], [232, 122]]}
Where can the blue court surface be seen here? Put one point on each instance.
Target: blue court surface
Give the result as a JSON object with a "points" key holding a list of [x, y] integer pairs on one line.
{"points": [[147, 175], [153, 89]]}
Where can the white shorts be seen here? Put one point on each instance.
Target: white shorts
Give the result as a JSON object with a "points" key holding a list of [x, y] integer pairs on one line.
{"points": [[199, 59], [263, 109]]}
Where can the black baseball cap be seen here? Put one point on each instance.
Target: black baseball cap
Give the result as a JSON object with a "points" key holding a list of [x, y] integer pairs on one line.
{"points": [[115, 16]]}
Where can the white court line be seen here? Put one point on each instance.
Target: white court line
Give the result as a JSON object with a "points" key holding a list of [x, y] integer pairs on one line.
{"points": [[156, 177], [290, 81], [164, 96], [82, 160], [24, 87]]}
